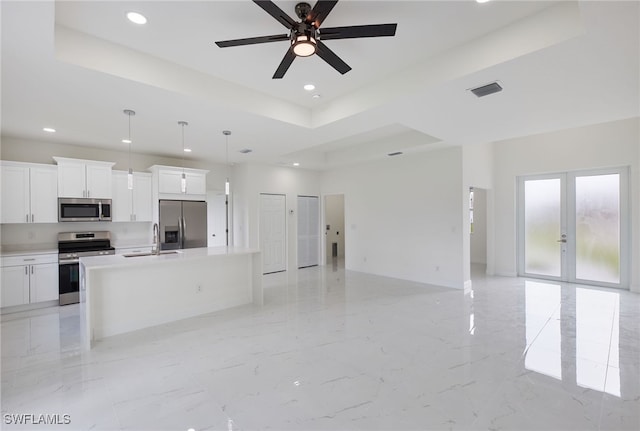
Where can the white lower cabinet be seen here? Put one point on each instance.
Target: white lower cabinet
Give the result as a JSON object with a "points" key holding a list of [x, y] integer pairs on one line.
{"points": [[28, 279]]}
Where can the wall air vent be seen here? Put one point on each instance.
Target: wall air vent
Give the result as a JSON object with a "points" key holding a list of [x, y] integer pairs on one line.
{"points": [[397, 153], [485, 90], [245, 150]]}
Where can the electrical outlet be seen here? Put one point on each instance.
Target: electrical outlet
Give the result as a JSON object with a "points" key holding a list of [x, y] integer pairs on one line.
{"points": [[199, 288]]}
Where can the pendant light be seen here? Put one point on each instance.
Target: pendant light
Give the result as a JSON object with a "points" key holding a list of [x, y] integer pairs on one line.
{"points": [[183, 180], [130, 114], [226, 134]]}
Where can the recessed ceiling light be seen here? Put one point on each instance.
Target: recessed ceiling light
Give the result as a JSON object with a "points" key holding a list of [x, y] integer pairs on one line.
{"points": [[49, 130], [309, 87], [483, 1], [296, 164], [316, 96], [136, 18], [187, 150], [126, 141]]}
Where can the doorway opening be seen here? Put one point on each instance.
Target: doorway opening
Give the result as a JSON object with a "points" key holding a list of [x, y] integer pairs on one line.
{"points": [[334, 228], [273, 233], [478, 230]]}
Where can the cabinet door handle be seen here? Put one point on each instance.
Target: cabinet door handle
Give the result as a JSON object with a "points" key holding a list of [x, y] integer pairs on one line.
{"points": [[32, 218], [88, 193], [27, 218], [26, 270], [29, 260], [31, 269]]}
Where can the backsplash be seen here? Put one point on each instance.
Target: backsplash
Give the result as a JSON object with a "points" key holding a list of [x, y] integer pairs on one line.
{"points": [[45, 235]]}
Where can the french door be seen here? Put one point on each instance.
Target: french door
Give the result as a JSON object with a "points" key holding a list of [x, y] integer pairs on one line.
{"points": [[573, 227]]}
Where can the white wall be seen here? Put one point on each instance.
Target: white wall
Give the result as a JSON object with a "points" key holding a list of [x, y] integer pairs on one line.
{"points": [[334, 217], [43, 236], [597, 146], [404, 216], [252, 179]]}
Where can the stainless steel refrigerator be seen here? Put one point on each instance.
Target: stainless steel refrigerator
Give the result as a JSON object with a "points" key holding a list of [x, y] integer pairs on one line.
{"points": [[183, 224]]}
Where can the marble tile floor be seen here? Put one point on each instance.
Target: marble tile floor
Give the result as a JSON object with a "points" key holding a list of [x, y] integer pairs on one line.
{"points": [[339, 350]]}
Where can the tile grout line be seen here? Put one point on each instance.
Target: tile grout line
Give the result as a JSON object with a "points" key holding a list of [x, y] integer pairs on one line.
{"points": [[606, 372]]}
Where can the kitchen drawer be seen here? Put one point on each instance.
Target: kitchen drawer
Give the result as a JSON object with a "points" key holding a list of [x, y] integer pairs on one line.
{"points": [[29, 259], [133, 250]]}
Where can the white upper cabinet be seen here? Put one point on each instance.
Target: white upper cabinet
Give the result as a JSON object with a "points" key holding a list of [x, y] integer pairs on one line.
{"points": [[142, 197], [83, 178], [169, 181], [29, 193], [131, 205]]}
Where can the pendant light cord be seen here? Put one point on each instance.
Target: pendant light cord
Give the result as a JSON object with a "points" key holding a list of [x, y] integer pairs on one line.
{"points": [[129, 114]]}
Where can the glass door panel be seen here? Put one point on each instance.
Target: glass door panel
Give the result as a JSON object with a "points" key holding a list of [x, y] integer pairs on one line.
{"points": [[543, 227], [597, 218], [575, 227]]}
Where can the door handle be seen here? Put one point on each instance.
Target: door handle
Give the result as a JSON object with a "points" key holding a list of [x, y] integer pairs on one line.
{"points": [[561, 240]]}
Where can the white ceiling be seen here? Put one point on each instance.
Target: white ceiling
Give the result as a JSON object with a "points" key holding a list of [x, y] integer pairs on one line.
{"points": [[75, 65]]}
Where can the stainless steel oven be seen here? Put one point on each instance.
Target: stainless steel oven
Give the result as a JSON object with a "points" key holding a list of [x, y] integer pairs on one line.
{"points": [[84, 209], [71, 247]]}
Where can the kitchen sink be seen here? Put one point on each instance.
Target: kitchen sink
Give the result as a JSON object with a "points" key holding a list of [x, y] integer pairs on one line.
{"points": [[151, 254]]}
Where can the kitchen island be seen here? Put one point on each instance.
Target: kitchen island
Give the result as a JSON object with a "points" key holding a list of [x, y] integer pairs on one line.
{"points": [[120, 294]]}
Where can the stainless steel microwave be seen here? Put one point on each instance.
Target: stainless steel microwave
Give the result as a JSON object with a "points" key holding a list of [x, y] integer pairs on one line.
{"points": [[84, 209]]}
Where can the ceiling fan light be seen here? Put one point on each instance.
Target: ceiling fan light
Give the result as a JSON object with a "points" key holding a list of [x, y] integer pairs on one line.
{"points": [[304, 45]]}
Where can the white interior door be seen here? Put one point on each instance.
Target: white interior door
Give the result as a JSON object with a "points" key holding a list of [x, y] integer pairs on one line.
{"points": [[574, 227], [216, 219], [273, 238], [308, 231]]}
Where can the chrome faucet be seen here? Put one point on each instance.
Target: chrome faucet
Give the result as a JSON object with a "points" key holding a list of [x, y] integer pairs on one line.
{"points": [[156, 239]]}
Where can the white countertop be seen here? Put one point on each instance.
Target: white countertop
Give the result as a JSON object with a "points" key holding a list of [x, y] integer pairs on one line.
{"points": [[28, 250], [181, 255]]}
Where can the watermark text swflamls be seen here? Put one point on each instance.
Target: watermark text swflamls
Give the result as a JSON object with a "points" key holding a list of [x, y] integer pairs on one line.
{"points": [[36, 419]]}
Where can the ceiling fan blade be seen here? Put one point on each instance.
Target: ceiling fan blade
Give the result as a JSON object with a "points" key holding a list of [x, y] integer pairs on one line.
{"points": [[273, 10], [374, 30], [284, 64], [252, 40], [319, 12], [330, 57]]}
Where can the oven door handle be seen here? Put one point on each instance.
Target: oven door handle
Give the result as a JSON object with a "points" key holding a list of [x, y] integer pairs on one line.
{"points": [[69, 262]]}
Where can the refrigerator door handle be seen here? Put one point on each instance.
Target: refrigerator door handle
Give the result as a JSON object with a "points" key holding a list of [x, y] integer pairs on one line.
{"points": [[184, 231], [179, 232]]}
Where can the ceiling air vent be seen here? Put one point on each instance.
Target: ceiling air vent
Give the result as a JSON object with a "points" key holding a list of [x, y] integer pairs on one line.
{"points": [[485, 90], [245, 150], [397, 153]]}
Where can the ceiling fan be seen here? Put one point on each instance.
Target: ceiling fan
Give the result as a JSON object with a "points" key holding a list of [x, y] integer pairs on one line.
{"points": [[306, 36]]}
